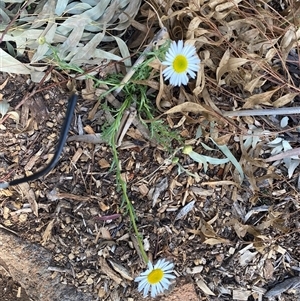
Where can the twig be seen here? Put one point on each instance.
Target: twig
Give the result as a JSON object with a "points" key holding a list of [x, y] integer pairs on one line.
{"points": [[287, 154], [263, 112], [9, 230]]}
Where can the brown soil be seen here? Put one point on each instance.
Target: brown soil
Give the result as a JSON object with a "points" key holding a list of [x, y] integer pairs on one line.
{"points": [[68, 251], [11, 290]]}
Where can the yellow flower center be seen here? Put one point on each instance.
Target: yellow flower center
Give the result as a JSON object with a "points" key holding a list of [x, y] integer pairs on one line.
{"points": [[155, 276], [180, 63]]}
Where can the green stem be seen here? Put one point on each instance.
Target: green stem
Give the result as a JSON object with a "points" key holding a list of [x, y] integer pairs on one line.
{"points": [[129, 204]]}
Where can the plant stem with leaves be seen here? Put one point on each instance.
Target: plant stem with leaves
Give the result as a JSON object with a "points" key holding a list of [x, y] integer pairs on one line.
{"points": [[122, 184]]}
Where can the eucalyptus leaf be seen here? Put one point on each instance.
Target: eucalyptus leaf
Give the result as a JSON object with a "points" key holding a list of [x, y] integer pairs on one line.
{"points": [[11, 65], [199, 158], [11, 49], [286, 145], [291, 164], [216, 161], [97, 11], [276, 150], [4, 17], [89, 49], [60, 7], [207, 147], [77, 37], [4, 107], [13, 1], [124, 51], [90, 2], [275, 141], [45, 16], [225, 150], [284, 121], [199, 132], [76, 8]]}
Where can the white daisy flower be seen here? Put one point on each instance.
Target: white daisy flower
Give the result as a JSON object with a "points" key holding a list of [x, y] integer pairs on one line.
{"points": [[181, 60], [156, 277]]}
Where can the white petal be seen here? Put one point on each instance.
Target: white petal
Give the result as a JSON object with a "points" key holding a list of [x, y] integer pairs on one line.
{"points": [[194, 61], [146, 290], [169, 276], [189, 51], [168, 72], [165, 265], [191, 73], [168, 265], [159, 264], [153, 291], [159, 288], [174, 79], [184, 79], [142, 284], [177, 79], [173, 49], [137, 279], [170, 58], [179, 46], [194, 67], [150, 266], [165, 284]]}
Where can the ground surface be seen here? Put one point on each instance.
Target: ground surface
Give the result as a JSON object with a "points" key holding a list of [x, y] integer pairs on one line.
{"points": [[237, 242], [72, 198], [11, 290]]}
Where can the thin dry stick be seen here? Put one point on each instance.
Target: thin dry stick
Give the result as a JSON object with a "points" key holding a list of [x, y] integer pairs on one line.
{"points": [[9, 230], [263, 112], [287, 154]]}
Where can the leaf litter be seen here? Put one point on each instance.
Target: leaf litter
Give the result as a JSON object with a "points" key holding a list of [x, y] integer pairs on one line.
{"points": [[249, 61]]}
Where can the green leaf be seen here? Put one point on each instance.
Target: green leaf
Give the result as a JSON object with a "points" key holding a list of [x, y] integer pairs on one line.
{"points": [[124, 51], [4, 107], [216, 161], [207, 147], [225, 150], [199, 158]]}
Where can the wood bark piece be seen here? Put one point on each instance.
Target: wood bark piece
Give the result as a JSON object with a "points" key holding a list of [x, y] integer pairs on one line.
{"points": [[28, 264]]}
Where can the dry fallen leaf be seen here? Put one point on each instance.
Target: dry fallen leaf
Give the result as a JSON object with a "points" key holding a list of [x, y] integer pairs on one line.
{"points": [[30, 197], [48, 231], [185, 210], [109, 272], [121, 270], [202, 285]]}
